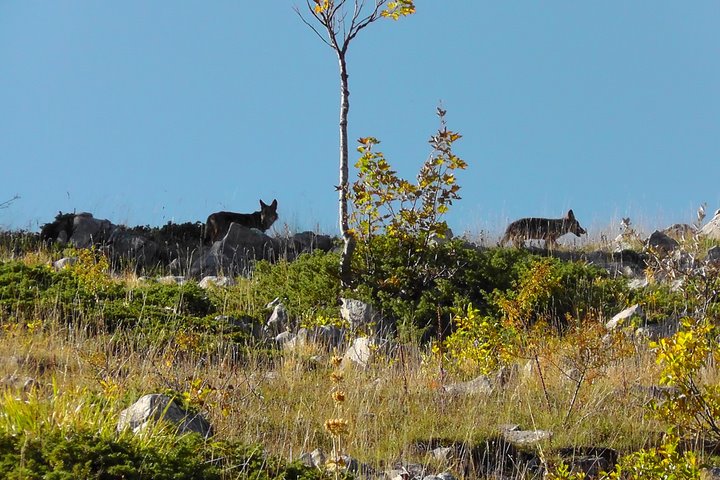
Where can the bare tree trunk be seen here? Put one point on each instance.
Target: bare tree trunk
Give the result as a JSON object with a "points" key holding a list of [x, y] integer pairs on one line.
{"points": [[345, 260]]}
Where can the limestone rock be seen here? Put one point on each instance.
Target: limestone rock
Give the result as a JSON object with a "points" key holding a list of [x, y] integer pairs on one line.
{"points": [[624, 317], [680, 232], [64, 262], [126, 245], [215, 281], [154, 407], [526, 437], [278, 322], [362, 317], [88, 230], [360, 352], [711, 229], [172, 280], [235, 253]]}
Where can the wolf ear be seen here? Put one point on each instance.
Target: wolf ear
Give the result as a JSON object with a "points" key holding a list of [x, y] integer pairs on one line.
{"points": [[274, 203], [262, 204], [570, 215]]}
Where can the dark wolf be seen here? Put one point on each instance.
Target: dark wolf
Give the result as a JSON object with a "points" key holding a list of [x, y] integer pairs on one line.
{"points": [[548, 229], [218, 223]]}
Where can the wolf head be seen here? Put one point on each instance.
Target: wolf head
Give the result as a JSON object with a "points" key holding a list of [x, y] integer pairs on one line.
{"points": [[268, 214], [572, 225]]}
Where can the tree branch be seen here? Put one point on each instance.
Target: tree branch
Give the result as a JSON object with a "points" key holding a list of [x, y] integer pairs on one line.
{"points": [[312, 27], [9, 202]]}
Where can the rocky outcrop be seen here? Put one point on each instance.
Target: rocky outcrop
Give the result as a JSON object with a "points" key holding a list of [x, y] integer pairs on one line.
{"points": [[241, 247], [711, 229], [88, 230], [128, 247], [179, 247]]}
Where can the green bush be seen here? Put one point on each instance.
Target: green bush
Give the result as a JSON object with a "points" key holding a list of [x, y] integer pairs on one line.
{"points": [[310, 285], [61, 455], [554, 291], [68, 456], [457, 275]]}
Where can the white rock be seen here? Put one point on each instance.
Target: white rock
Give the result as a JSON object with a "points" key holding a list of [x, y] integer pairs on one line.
{"points": [[153, 407], [624, 317], [215, 281], [64, 262], [360, 352]]}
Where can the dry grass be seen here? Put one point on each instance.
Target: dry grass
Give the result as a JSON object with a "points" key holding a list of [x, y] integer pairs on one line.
{"points": [[282, 404]]}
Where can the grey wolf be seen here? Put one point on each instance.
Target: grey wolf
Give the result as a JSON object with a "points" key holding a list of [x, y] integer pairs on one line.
{"points": [[548, 229], [218, 223]]}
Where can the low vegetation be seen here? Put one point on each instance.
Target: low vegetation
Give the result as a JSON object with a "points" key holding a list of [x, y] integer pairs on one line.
{"points": [[93, 342]]}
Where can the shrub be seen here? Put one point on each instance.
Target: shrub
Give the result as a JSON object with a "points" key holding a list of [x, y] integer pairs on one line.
{"points": [[71, 455], [310, 285], [553, 291], [478, 344]]}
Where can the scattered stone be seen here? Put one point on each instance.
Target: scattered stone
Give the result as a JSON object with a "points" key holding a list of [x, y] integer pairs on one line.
{"points": [[127, 245], [284, 338], [153, 407], [316, 459], [446, 476], [360, 352], [172, 280], [443, 454], [526, 437], [638, 283], [623, 242], [329, 336], [625, 317], [235, 253], [408, 471], [306, 242], [509, 427], [64, 262], [295, 341], [215, 281], [712, 473]]}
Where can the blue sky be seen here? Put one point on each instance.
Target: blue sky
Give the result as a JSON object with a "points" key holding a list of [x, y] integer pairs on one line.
{"points": [[145, 112]]}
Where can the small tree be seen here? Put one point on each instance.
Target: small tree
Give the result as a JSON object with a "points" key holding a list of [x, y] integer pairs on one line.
{"points": [[399, 223], [340, 22]]}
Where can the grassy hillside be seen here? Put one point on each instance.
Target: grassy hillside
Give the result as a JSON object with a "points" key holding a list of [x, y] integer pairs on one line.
{"points": [[81, 344]]}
